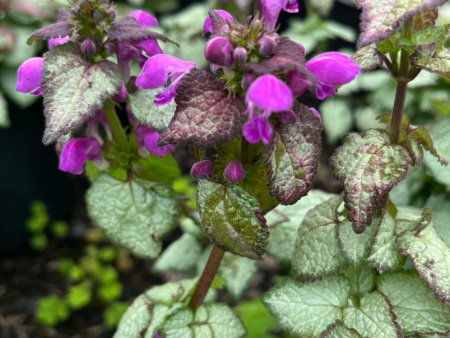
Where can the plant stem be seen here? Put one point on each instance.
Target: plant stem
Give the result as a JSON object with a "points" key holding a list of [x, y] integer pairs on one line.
{"points": [[397, 112], [207, 277], [116, 126], [245, 147]]}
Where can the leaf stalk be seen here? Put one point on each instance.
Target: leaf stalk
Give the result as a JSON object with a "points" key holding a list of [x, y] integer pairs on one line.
{"points": [[116, 127]]}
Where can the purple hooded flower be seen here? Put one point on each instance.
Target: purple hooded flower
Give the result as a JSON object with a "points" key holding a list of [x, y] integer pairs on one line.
{"points": [[202, 170], [92, 126], [122, 96], [298, 83], [58, 41], [207, 26], [144, 19], [219, 51], [88, 47], [148, 138], [29, 77], [268, 94], [234, 171], [272, 8], [156, 73], [331, 69], [77, 152]]}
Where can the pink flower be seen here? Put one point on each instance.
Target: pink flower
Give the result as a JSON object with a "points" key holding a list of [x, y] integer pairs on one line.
{"points": [[144, 19], [58, 41], [234, 171], [29, 76], [271, 10], [207, 26], [156, 72], [202, 170], [219, 51], [148, 138], [77, 152]]}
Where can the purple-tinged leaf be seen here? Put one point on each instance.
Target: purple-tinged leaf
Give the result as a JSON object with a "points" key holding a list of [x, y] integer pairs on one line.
{"points": [[418, 240], [369, 167], [422, 135], [316, 253], [286, 56], [292, 156], [217, 20], [206, 113], [129, 29], [61, 29], [425, 18], [382, 18], [368, 58], [339, 330], [233, 219], [74, 88], [426, 58]]}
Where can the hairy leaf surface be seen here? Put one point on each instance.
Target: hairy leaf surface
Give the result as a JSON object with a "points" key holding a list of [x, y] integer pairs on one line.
{"points": [[438, 62], [133, 214], [373, 318], [61, 28], [237, 271], [292, 156], [431, 257], [338, 330], [208, 321], [368, 58], [362, 279], [129, 29], [233, 219], [382, 18], [308, 308], [74, 88], [316, 252], [440, 134], [206, 114], [368, 166], [416, 307], [149, 114]]}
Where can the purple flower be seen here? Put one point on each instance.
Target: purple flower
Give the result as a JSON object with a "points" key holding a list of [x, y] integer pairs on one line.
{"points": [[234, 171], [269, 95], [29, 76], [207, 26], [58, 41], [144, 19], [148, 138], [92, 126], [272, 8], [267, 45], [202, 170], [77, 152], [297, 82], [287, 118], [88, 47], [316, 113], [240, 55], [247, 80], [156, 73], [122, 96], [219, 51], [331, 69]]}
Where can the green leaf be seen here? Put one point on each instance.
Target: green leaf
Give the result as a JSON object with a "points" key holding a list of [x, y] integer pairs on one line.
{"points": [[388, 45], [373, 317], [416, 307], [159, 169], [74, 88], [324, 7], [418, 240], [233, 219], [380, 19], [337, 118], [180, 256], [440, 204], [51, 310], [339, 330], [383, 254], [425, 18], [316, 252], [149, 114], [113, 314], [256, 319], [284, 220], [79, 295], [110, 292], [4, 116], [422, 135], [440, 134], [386, 118], [368, 58], [425, 36], [133, 214], [362, 279], [237, 271], [208, 321], [364, 187], [441, 107], [292, 156], [307, 308], [355, 247], [407, 191], [136, 319]]}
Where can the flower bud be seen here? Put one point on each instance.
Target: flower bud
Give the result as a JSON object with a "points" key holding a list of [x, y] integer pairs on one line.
{"points": [[102, 26], [88, 47], [287, 118], [247, 80], [97, 16], [215, 69], [234, 172], [110, 48], [240, 55], [202, 170], [219, 51], [112, 16], [267, 45]]}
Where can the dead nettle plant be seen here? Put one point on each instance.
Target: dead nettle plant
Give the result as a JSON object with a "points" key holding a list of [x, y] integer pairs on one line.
{"points": [[349, 251]]}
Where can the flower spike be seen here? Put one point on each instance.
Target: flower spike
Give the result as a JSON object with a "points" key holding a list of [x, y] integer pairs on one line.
{"points": [[77, 152], [29, 76]]}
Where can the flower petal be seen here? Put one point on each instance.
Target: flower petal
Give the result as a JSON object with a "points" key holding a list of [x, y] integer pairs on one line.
{"points": [[29, 76], [157, 69], [234, 171], [57, 41], [269, 93], [148, 137], [144, 19], [257, 128], [333, 68], [324, 90], [219, 51], [150, 46], [316, 113], [77, 152], [207, 26], [272, 8], [297, 82]]}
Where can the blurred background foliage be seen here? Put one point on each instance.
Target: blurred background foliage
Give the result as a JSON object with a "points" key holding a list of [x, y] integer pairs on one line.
{"points": [[60, 277]]}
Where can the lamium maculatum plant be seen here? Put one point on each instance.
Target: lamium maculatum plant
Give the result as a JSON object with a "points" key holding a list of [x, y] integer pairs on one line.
{"points": [[347, 252]]}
